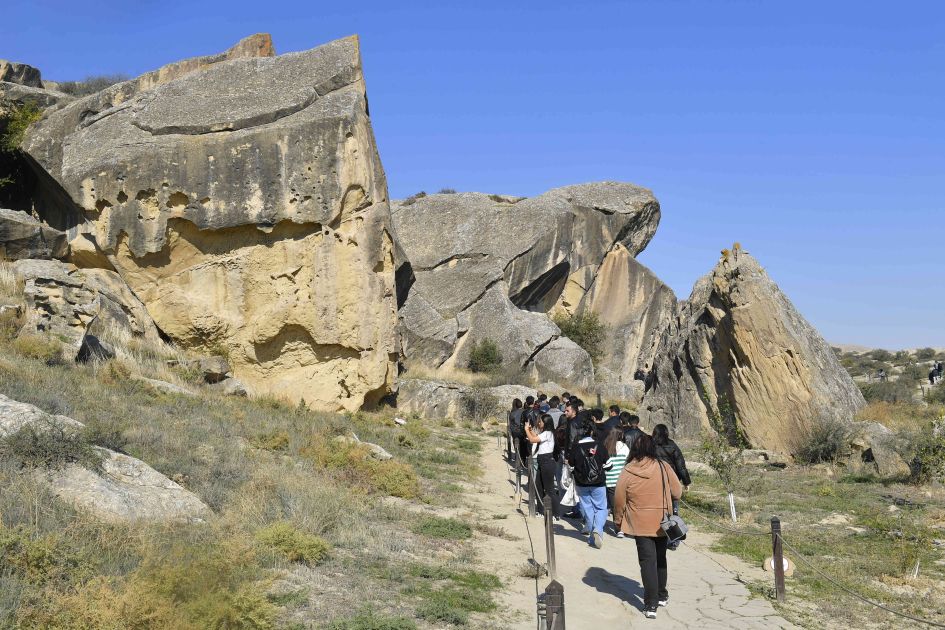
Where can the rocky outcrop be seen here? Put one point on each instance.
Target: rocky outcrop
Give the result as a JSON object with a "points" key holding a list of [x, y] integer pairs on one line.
{"points": [[440, 399], [72, 304], [20, 73], [124, 490], [635, 306], [22, 236], [495, 266], [242, 199], [738, 340], [39, 97]]}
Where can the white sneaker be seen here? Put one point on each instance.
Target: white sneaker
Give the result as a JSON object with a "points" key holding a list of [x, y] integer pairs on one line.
{"points": [[649, 614], [597, 540], [620, 534], [663, 603]]}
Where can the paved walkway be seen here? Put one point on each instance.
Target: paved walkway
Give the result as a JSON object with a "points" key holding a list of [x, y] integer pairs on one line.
{"points": [[602, 587]]}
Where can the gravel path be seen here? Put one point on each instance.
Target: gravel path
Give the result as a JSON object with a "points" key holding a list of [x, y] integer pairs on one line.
{"points": [[602, 587]]}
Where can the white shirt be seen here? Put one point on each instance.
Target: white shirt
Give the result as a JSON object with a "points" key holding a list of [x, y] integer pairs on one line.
{"points": [[546, 444]]}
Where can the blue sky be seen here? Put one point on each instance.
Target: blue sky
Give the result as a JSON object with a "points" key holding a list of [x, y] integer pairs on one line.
{"points": [[811, 132]]}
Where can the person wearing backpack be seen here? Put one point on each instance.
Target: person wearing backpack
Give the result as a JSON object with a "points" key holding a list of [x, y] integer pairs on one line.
{"points": [[514, 428], [590, 461], [645, 493]]}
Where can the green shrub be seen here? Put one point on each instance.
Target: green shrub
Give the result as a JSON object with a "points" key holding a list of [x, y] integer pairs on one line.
{"points": [[478, 404], [42, 347], [354, 464], [446, 528], [898, 391], [412, 199], [13, 126], [928, 462], [369, 620], [49, 444], [826, 441], [925, 354], [584, 329], [295, 545], [484, 356], [446, 191], [108, 433], [39, 560]]}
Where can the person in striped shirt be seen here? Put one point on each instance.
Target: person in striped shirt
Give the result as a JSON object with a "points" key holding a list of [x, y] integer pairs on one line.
{"points": [[618, 452]]}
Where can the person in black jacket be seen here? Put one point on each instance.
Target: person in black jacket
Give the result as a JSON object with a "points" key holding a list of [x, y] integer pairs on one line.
{"points": [[515, 430], [669, 452], [631, 427], [590, 460]]}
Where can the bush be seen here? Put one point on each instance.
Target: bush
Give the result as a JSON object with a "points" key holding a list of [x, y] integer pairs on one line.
{"points": [[13, 126], [484, 356], [368, 620], [925, 354], [49, 445], [42, 347], [413, 198], [722, 458], [108, 433], [826, 441], [446, 528], [39, 560], [91, 84], [446, 191], [899, 391], [586, 330], [354, 464], [272, 441], [295, 545], [478, 404], [928, 462]]}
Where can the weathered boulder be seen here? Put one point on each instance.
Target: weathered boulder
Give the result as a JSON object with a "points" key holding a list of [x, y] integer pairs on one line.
{"points": [[564, 359], [71, 304], [125, 490], [243, 201], [494, 266], [635, 306], [876, 449], [740, 342], [164, 387], [22, 236], [20, 73], [230, 387], [441, 399], [40, 97], [213, 369]]}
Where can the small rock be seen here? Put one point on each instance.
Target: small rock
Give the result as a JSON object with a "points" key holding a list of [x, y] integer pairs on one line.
{"points": [[230, 387], [164, 386], [10, 310], [836, 519], [400, 421], [94, 349], [377, 452], [892, 508], [213, 369], [698, 468]]}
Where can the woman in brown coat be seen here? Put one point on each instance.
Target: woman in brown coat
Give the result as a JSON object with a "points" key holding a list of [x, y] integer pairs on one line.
{"points": [[644, 494]]}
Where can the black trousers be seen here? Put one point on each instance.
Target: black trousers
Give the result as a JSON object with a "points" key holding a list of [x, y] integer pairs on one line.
{"points": [[611, 493], [546, 484], [652, 555], [524, 450]]}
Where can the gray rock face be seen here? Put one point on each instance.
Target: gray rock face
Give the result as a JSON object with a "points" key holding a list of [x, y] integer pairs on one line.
{"points": [[491, 266], [440, 399], [635, 306], [127, 490], [739, 339], [241, 197], [71, 304], [22, 236], [564, 359], [20, 73], [40, 97]]}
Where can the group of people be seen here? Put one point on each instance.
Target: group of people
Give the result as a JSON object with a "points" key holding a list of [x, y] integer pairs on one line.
{"points": [[599, 466], [935, 373]]}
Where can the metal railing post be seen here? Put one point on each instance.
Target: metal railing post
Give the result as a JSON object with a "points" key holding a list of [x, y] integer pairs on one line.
{"points": [[550, 538], [778, 558], [531, 486]]}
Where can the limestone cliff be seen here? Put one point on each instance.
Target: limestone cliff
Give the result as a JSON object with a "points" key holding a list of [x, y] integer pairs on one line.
{"points": [[739, 339], [242, 199]]}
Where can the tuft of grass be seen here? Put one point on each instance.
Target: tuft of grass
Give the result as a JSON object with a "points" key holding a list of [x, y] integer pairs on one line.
{"points": [[49, 445], [369, 620], [446, 528], [295, 545], [41, 347], [271, 441], [91, 84], [827, 441]]}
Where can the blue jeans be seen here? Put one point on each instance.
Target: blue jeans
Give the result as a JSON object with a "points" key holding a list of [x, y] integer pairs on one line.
{"points": [[593, 502]]}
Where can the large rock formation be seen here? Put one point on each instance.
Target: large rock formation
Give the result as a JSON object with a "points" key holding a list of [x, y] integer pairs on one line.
{"points": [[740, 342], [124, 490], [478, 266], [20, 73], [635, 306], [242, 199], [441, 399]]}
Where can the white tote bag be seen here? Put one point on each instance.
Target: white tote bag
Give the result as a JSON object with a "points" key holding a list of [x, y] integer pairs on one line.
{"points": [[570, 498]]}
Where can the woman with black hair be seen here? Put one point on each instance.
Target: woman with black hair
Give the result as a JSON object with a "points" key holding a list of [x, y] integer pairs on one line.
{"points": [[669, 452], [543, 442], [645, 493]]}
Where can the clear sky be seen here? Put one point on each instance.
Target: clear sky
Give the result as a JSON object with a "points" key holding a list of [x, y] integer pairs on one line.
{"points": [[811, 132]]}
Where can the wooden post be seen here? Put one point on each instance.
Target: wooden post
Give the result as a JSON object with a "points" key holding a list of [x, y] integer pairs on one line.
{"points": [[550, 538], [554, 605], [778, 558], [531, 487]]}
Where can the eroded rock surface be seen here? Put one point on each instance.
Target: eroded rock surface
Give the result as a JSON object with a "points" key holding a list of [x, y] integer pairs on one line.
{"points": [[70, 304], [125, 490], [242, 199], [441, 399], [739, 339], [20, 73], [478, 266], [22, 236]]}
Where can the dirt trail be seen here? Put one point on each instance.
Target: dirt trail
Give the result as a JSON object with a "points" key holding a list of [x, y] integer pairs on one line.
{"points": [[602, 587]]}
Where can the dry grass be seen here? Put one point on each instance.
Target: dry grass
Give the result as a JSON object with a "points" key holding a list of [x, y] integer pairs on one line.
{"points": [[901, 416], [295, 483]]}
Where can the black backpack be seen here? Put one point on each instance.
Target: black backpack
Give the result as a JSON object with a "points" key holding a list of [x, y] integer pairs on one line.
{"points": [[516, 423], [588, 468]]}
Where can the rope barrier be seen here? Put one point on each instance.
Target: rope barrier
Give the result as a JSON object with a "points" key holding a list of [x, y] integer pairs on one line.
{"points": [[863, 598]]}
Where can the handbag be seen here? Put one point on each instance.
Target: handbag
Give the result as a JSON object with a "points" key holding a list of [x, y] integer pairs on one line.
{"points": [[570, 497], [672, 524]]}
